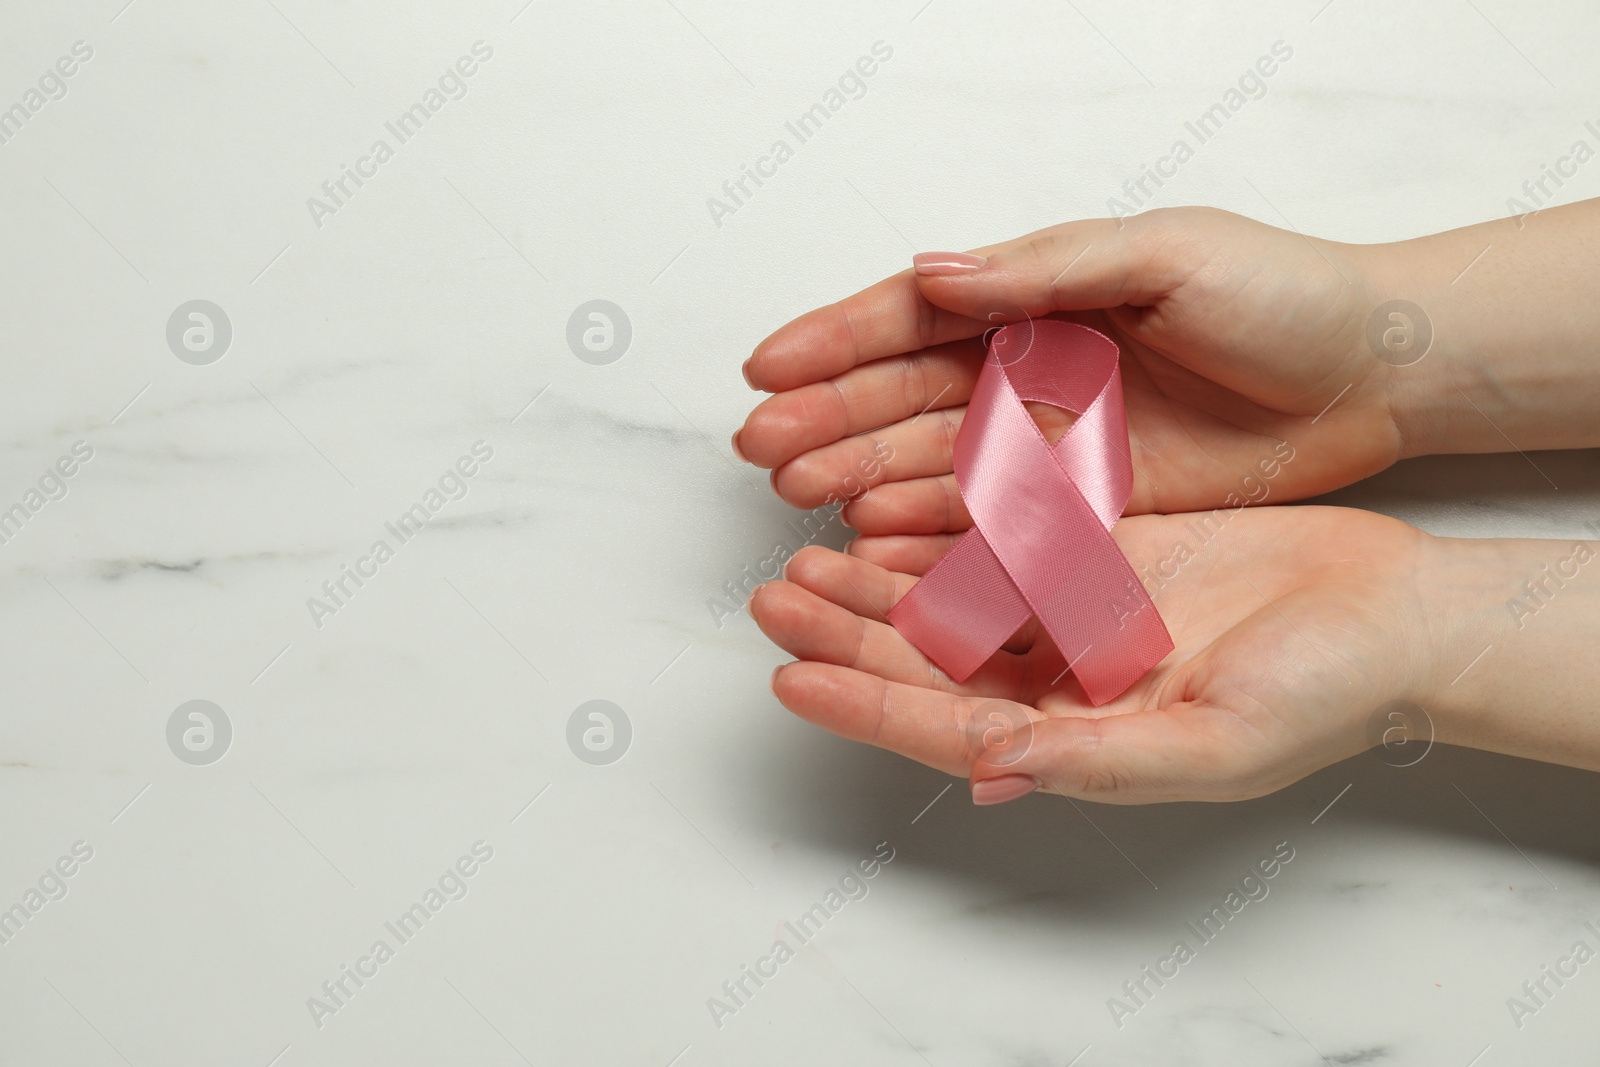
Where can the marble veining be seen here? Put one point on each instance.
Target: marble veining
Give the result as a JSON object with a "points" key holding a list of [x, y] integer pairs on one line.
{"points": [[439, 712]]}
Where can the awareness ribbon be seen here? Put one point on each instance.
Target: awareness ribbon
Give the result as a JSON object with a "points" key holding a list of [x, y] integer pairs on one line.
{"points": [[1040, 543]]}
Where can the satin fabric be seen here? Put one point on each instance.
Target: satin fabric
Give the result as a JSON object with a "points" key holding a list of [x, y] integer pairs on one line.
{"points": [[1042, 515]]}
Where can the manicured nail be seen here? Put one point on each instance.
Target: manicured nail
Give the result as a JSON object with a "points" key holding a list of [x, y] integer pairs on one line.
{"points": [[736, 449], [1004, 788], [744, 369], [939, 264]]}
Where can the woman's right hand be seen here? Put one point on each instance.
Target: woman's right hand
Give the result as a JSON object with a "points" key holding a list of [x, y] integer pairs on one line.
{"points": [[1246, 367]]}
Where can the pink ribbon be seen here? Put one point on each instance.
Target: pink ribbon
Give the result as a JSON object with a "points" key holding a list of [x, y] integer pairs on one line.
{"points": [[1042, 515]]}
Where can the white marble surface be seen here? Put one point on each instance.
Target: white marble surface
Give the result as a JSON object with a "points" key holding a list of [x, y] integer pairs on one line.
{"points": [[424, 315]]}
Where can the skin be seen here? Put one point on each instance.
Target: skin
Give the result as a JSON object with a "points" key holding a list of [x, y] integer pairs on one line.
{"points": [[1235, 336], [1293, 626]]}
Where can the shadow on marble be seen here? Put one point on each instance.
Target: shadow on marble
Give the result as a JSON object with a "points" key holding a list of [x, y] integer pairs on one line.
{"points": [[1539, 494], [1094, 860]]}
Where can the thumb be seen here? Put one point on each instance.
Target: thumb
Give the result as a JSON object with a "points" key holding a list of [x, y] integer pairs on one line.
{"points": [[1077, 266], [1182, 752]]}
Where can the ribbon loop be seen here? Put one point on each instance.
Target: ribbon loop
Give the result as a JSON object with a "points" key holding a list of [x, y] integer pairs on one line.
{"points": [[1042, 515]]}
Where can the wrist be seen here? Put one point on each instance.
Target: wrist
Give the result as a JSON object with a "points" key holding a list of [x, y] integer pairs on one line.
{"points": [[1508, 361], [1424, 336], [1464, 585], [1511, 627]]}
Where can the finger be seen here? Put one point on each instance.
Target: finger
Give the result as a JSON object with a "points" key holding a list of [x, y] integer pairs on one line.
{"points": [[1077, 266], [919, 447], [859, 586], [867, 590], [903, 553], [928, 726], [864, 398], [904, 556], [920, 506], [810, 627], [885, 319], [1185, 751], [813, 628]]}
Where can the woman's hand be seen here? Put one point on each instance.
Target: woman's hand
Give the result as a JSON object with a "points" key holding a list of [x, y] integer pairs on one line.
{"points": [[1292, 627], [1236, 338]]}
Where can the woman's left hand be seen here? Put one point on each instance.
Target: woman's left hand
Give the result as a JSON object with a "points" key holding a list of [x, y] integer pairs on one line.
{"points": [[1292, 627]]}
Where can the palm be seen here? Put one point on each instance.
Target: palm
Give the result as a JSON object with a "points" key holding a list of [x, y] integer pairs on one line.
{"points": [[1285, 631]]}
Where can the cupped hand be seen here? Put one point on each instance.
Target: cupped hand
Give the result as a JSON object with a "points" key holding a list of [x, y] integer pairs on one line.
{"points": [[1291, 626], [1243, 346]]}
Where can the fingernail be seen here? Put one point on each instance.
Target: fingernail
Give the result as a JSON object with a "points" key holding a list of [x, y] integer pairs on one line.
{"points": [[736, 449], [1004, 788], [939, 264], [850, 546], [775, 672], [744, 369]]}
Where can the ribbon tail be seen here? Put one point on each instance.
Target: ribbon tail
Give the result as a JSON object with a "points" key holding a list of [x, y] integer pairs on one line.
{"points": [[1109, 657], [1041, 542], [971, 587]]}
